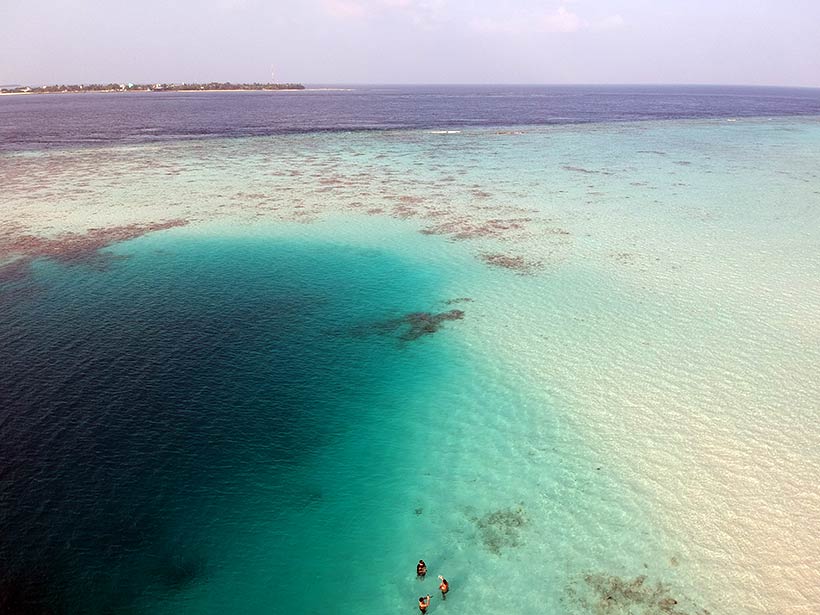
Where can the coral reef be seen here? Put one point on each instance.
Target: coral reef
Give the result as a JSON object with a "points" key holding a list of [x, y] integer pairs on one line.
{"points": [[68, 248], [501, 529], [465, 228], [418, 324], [605, 594], [517, 263], [411, 326]]}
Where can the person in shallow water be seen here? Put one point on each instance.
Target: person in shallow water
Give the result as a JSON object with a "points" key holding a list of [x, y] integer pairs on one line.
{"points": [[421, 569], [444, 586], [424, 602]]}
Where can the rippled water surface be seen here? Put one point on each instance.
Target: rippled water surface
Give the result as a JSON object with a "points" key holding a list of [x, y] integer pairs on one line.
{"points": [[573, 367], [47, 121]]}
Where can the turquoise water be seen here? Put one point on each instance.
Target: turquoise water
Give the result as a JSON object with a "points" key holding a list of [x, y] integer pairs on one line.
{"points": [[202, 385], [631, 392]]}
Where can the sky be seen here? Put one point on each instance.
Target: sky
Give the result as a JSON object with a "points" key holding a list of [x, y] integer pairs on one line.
{"points": [[754, 42]]}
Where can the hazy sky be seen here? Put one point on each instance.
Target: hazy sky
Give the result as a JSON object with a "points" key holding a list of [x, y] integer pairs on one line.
{"points": [[411, 41]]}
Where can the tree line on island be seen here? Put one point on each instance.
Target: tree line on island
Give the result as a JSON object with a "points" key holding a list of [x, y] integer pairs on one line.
{"points": [[150, 87]]}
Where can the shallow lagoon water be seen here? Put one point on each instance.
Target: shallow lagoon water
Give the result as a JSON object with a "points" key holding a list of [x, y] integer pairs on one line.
{"points": [[635, 397]]}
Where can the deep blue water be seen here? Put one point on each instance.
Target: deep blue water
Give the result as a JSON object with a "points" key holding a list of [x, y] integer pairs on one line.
{"points": [[28, 122], [143, 405]]}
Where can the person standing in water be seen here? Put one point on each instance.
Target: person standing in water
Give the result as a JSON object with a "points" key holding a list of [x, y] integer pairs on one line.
{"points": [[424, 602], [421, 569], [444, 586]]}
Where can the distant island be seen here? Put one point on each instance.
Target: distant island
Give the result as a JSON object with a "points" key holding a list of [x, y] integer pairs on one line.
{"points": [[151, 87]]}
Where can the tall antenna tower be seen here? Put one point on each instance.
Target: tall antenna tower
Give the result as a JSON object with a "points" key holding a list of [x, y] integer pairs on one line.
{"points": [[272, 77]]}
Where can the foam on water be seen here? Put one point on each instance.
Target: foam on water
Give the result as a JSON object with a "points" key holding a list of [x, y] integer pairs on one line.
{"points": [[632, 391]]}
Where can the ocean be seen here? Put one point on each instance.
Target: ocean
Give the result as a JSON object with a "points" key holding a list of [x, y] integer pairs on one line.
{"points": [[262, 352]]}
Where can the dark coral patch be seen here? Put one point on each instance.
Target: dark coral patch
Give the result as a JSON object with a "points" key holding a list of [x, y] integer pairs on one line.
{"points": [[411, 326], [464, 228], [459, 300], [604, 594], [500, 530], [70, 248], [418, 324], [568, 167], [517, 263], [410, 199]]}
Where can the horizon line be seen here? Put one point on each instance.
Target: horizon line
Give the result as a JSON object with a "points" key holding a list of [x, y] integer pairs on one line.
{"points": [[442, 83], [574, 84]]}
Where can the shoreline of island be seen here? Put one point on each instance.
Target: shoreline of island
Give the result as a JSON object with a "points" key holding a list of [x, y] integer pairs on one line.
{"points": [[152, 87]]}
